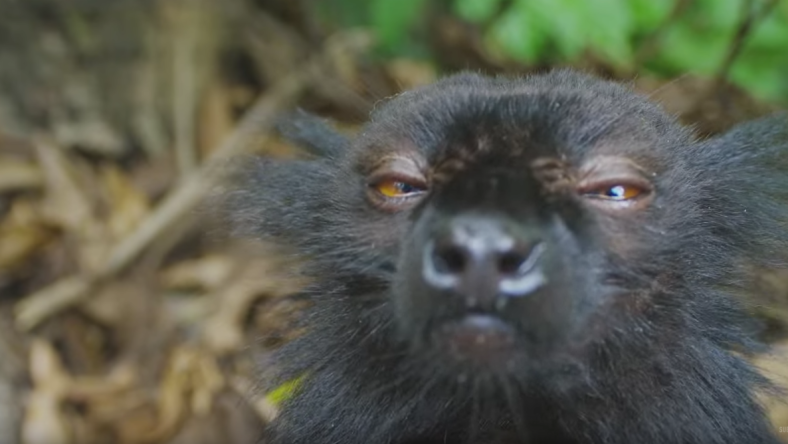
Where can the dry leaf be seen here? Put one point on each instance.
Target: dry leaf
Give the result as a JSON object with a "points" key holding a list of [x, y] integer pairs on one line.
{"points": [[409, 74], [230, 421], [44, 422], [128, 206], [224, 330], [192, 380], [775, 366], [69, 206], [22, 233], [17, 175], [205, 273]]}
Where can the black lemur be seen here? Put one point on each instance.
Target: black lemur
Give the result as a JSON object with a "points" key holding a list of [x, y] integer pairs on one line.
{"points": [[548, 259]]}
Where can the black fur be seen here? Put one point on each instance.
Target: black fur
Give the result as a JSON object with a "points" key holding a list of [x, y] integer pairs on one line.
{"points": [[312, 133], [651, 351]]}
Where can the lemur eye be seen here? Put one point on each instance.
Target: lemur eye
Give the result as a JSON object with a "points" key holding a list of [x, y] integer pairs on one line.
{"points": [[615, 182], [391, 187], [617, 192], [396, 185]]}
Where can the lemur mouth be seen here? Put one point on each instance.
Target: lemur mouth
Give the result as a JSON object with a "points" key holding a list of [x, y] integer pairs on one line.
{"points": [[477, 338]]}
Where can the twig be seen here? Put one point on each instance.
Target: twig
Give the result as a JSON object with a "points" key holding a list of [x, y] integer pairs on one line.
{"points": [[193, 50], [184, 97], [750, 19], [187, 194], [262, 27], [751, 16], [651, 42]]}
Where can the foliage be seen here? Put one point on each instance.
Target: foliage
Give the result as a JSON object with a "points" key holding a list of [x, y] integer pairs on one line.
{"points": [[696, 40]]}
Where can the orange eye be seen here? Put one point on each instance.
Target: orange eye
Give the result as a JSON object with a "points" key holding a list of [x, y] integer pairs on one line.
{"points": [[397, 188], [617, 192]]}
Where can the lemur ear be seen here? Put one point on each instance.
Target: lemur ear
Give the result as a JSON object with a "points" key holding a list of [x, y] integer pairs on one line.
{"points": [[745, 179], [277, 198], [312, 133], [280, 198]]}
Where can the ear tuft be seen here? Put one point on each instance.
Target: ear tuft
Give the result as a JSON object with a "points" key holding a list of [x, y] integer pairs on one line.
{"points": [[746, 179], [312, 133]]}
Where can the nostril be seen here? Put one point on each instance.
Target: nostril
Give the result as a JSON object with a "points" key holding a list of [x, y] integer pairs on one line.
{"points": [[449, 259], [443, 266], [511, 262], [519, 261]]}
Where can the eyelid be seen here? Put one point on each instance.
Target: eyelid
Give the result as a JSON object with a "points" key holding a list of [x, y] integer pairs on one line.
{"points": [[609, 171], [402, 169], [600, 175], [395, 176], [590, 185], [405, 165], [397, 169]]}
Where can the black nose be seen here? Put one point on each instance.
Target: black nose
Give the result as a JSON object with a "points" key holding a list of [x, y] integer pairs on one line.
{"points": [[484, 259]]}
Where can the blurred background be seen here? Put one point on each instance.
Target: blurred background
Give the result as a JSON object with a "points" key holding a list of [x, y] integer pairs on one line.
{"points": [[128, 313]]}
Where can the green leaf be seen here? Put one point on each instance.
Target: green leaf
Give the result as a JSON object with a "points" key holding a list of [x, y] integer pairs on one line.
{"points": [[558, 30], [716, 14], [763, 80], [519, 34], [685, 50], [565, 24], [477, 11], [285, 391], [392, 21], [772, 33], [346, 13], [649, 14], [610, 26]]}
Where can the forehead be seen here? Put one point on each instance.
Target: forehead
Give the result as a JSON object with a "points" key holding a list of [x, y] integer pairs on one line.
{"points": [[561, 114]]}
